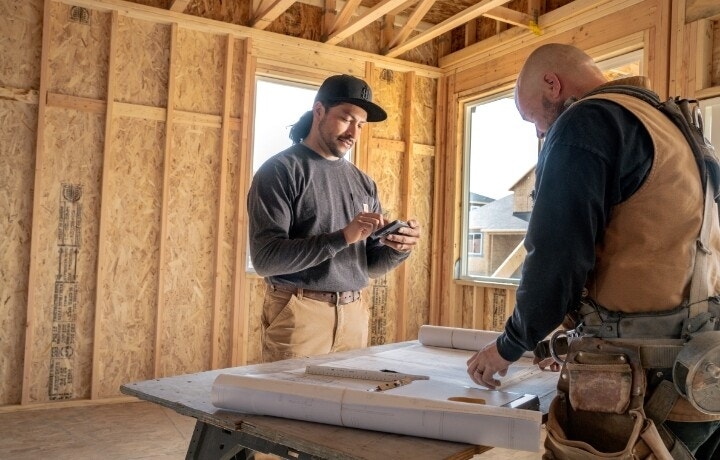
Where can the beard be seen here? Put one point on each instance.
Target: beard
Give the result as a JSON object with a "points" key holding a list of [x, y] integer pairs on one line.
{"points": [[552, 111], [338, 146]]}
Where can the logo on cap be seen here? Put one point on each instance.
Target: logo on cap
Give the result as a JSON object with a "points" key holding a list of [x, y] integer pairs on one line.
{"points": [[365, 93]]}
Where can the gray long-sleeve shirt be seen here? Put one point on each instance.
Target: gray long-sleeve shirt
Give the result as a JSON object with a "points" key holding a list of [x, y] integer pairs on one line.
{"points": [[298, 204]]}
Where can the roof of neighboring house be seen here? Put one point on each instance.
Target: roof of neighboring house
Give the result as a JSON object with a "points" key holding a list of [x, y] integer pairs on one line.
{"points": [[476, 198], [498, 215]]}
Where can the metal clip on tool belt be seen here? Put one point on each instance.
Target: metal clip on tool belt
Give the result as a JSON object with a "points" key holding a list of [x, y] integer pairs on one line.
{"points": [[337, 298]]}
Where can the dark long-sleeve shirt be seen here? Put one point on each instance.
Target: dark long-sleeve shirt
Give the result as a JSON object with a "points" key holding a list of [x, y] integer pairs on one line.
{"points": [[594, 157], [298, 204]]}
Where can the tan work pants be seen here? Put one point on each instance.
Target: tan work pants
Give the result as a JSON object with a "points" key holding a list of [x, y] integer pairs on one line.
{"points": [[295, 326]]}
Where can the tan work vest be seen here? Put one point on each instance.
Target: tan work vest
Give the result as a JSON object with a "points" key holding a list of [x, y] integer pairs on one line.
{"points": [[646, 259]]}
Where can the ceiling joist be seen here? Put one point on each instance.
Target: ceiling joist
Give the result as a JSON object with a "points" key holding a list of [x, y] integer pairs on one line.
{"points": [[268, 11], [413, 20], [178, 5], [447, 25], [340, 32]]}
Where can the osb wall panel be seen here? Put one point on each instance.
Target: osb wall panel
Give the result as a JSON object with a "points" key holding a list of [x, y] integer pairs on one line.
{"points": [[200, 72], [300, 21], [127, 310], [192, 228], [228, 251], [66, 255], [221, 10], [20, 42], [256, 287], [143, 62], [18, 122], [419, 263], [386, 169], [365, 39], [389, 92], [79, 55], [423, 110], [427, 53]]}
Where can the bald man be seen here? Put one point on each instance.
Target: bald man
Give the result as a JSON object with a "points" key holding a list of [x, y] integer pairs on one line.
{"points": [[613, 220]]}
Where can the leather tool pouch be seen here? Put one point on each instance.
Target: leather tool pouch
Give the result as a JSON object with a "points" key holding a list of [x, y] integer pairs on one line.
{"points": [[598, 410]]}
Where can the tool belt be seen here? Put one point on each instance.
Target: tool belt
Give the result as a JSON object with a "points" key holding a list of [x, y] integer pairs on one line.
{"points": [[598, 411], [337, 298], [604, 407]]}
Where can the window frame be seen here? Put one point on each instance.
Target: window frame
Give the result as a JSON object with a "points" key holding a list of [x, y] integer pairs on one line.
{"points": [[607, 62]]}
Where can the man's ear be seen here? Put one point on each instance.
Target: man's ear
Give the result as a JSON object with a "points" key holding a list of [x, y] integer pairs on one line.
{"points": [[318, 109], [552, 84]]}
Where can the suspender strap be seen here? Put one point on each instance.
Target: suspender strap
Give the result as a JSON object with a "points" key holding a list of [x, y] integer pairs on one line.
{"points": [[663, 398], [699, 282]]}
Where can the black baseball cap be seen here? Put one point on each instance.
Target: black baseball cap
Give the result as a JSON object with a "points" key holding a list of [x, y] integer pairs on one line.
{"points": [[346, 88]]}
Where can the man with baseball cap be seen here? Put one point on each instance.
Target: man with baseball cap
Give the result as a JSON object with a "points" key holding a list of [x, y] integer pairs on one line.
{"points": [[311, 217]]}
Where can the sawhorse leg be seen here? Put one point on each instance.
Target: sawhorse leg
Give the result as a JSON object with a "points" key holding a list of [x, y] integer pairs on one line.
{"points": [[210, 442]]}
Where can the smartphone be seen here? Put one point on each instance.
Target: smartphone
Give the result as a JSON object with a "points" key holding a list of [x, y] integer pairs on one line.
{"points": [[392, 227]]}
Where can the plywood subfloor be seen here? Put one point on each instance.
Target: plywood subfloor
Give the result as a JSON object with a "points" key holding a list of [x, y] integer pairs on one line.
{"points": [[128, 431]]}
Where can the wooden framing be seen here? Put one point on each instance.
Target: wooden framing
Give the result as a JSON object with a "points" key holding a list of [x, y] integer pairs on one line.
{"points": [[240, 317], [216, 324], [34, 253]]}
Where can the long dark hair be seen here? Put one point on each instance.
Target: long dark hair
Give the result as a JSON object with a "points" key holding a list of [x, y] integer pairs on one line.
{"points": [[301, 128]]}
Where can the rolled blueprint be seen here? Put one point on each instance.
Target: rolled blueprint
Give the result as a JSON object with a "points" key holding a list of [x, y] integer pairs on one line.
{"points": [[381, 410], [455, 337]]}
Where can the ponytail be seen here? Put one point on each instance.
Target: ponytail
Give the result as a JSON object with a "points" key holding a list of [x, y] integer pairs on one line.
{"points": [[301, 128]]}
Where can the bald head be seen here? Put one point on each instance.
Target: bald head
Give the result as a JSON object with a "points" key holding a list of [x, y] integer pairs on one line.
{"points": [[551, 75]]}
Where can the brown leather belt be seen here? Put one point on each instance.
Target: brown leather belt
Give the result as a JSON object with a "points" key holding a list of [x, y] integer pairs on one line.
{"points": [[337, 298]]}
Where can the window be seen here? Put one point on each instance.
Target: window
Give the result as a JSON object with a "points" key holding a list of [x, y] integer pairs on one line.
{"points": [[711, 117], [499, 178], [475, 244], [278, 105], [503, 151]]}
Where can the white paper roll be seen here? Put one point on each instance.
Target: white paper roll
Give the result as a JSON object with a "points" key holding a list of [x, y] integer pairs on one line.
{"points": [[455, 337]]}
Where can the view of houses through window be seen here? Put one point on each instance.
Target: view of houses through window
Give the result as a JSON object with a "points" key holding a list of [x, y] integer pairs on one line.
{"points": [[499, 165]]}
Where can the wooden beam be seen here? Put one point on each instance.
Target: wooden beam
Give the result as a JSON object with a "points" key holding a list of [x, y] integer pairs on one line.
{"points": [[509, 16], [403, 308], [512, 262], [29, 96], [570, 16], [344, 16], [388, 31], [701, 9], [341, 32], [306, 52], [704, 54], [450, 23], [162, 252], [240, 283], [362, 154], [40, 165], [108, 166], [470, 32], [178, 5], [329, 17], [413, 20], [222, 193], [268, 11], [83, 104]]}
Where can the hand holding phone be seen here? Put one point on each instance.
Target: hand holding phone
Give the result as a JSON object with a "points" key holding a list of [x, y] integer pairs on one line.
{"points": [[388, 229]]}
